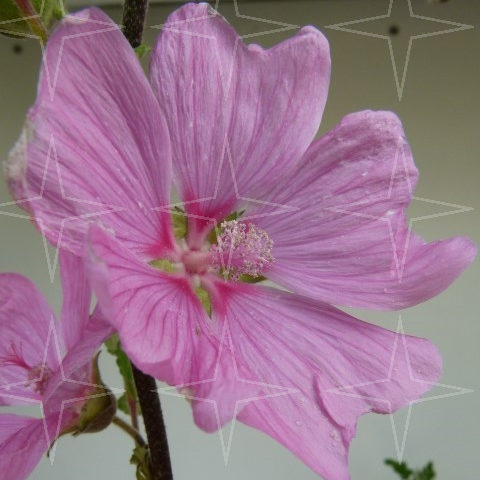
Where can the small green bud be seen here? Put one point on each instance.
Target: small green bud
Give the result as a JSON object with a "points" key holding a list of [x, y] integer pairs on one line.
{"points": [[98, 411]]}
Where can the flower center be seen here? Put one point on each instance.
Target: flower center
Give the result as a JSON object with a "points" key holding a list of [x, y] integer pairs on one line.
{"points": [[38, 378], [241, 249], [237, 251], [196, 261]]}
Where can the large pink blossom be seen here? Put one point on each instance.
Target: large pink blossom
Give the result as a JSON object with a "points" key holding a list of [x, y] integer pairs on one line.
{"points": [[44, 362], [233, 125]]}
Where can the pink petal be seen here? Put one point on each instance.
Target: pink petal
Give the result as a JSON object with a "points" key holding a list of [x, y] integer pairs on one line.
{"points": [[225, 388], [332, 366], [22, 444], [76, 297], [348, 242], [26, 341], [74, 380], [162, 325], [267, 104], [95, 145]]}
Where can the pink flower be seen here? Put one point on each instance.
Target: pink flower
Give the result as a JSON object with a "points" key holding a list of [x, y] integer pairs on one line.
{"points": [[233, 125], [44, 362]]}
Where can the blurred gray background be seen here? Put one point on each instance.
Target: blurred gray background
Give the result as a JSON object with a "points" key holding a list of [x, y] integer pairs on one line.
{"points": [[440, 110]]}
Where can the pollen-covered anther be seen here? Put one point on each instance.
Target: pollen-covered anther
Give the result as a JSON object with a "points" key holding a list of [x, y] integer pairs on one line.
{"points": [[242, 249]]}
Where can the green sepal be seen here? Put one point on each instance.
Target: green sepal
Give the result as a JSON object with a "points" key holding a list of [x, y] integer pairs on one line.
{"points": [[205, 299], [98, 411], [142, 50], [12, 25], [163, 264], [251, 279], [179, 223]]}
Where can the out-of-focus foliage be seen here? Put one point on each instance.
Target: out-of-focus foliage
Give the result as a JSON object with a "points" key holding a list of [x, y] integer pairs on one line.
{"points": [[26, 17], [406, 473]]}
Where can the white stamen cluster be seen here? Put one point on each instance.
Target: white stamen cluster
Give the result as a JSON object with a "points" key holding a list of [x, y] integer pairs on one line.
{"points": [[242, 249]]}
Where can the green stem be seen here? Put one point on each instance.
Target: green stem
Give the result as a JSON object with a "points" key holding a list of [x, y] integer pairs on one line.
{"points": [[132, 405], [134, 433], [33, 19]]}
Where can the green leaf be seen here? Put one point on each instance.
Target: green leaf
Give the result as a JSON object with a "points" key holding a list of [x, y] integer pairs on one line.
{"points": [[400, 468], [405, 472], [123, 362], [45, 13], [140, 458], [428, 473], [126, 371], [122, 404]]}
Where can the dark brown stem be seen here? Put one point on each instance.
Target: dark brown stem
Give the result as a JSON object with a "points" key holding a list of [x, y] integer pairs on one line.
{"points": [[134, 12], [161, 467]]}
